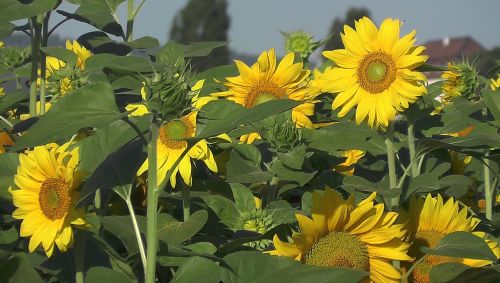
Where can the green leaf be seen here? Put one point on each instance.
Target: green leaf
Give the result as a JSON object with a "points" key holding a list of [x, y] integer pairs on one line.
{"points": [[116, 173], [6, 29], [359, 183], [457, 185], [262, 268], [95, 149], [173, 232], [492, 100], [9, 236], [287, 174], [225, 210], [171, 53], [90, 106], [127, 64], [11, 10], [60, 53], [121, 227], [454, 272], [12, 99], [198, 269], [431, 68], [17, 269], [201, 248], [462, 245], [100, 14], [223, 116], [243, 197], [8, 168], [244, 165], [99, 274], [199, 49], [295, 158]]}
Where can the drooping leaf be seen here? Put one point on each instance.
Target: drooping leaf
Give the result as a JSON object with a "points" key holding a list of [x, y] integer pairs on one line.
{"points": [[99, 274], [225, 210], [173, 232], [463, 245], [8, 168], [121, 227], [198, 49], [11, 10], [258, 267], [60, 53], [198, 269], [243, 197], [454, 272], [90, 106]]}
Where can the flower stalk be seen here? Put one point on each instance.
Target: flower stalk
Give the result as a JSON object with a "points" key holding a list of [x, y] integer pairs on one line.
{"points": [[152, 200], [411, 147], [186, 202], [391, 163], [79, 254], [36, 33]]}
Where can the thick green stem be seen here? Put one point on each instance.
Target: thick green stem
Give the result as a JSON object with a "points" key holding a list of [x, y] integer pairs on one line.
{"points": [[391, 163], [35, 57], [186, 202], [488, 195], [130, 20], [44, 21], [79, 252], [152, 199], [411, 147]]}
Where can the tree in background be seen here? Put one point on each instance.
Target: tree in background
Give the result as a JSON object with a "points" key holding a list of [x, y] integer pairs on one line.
{"points": [[337, 26], [203, 20]]}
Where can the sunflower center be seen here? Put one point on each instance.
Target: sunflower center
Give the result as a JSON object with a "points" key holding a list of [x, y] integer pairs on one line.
{"points": [[174, 132], [263, 93], [339, 249], [54, 198], [376, 72], [423, 269]]}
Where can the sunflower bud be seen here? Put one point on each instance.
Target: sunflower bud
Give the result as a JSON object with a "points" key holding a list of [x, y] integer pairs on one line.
{"points": [[300, 42], [460, 80], [282, 133], [260, 222], [168, 93], [13, 57], [64, 80]]}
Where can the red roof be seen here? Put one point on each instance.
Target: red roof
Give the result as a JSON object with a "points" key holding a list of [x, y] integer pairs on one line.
{"points": [[443, 50]]}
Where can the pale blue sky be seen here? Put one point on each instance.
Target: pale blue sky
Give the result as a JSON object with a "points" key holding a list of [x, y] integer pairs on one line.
{"points": [[255, 24]]}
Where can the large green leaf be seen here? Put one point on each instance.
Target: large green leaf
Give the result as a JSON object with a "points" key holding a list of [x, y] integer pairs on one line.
{"points": [[223, 116], [17, 269], [60, 53], [454, 272], [262, 268], [121, 227], [6, 28], [201, 248], [94, 149], [244, 165], [173, 232], [243, 197], [126, 64], [492, 100], [463, 245], [12, 99], [198, 269], [11, 10], [225, 210], [99, 274], [99, 13], [90, 106]]}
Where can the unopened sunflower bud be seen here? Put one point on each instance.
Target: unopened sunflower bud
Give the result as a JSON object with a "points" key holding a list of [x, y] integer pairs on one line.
{"points": [[460, 80], [13, 57], [300, 42], [282, 133]]}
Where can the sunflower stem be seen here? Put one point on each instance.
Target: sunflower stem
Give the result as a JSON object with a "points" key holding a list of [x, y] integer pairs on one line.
{"points": [[43, 71], [130, 20], [391, 163], [411, 147], [488, 196], [35, 54], [152, 213], [186, 202], [79, 253], [137, 233]]}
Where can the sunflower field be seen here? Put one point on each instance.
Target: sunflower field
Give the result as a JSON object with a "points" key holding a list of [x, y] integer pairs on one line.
{"points": [[120, 162]]}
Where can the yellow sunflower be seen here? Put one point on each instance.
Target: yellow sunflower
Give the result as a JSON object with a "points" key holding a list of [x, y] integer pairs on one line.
{"points": [[171, 145], [45, 196], [375, 72], [432, 219], [1, 44], [352, 157], [343, 234], [265, 81], [495, 83]]}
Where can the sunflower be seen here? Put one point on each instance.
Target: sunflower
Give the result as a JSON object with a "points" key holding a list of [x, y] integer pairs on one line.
{"points": [[459, 80], [320, 81], [171, 145], [343, 234], [352, 157], [264, 81], [1, 44], [45, 196], [495, 83], [432, 219], [375, 72]]}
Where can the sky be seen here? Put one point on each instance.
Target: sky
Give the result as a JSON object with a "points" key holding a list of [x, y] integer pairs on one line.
{"points": [[256, 24]]}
